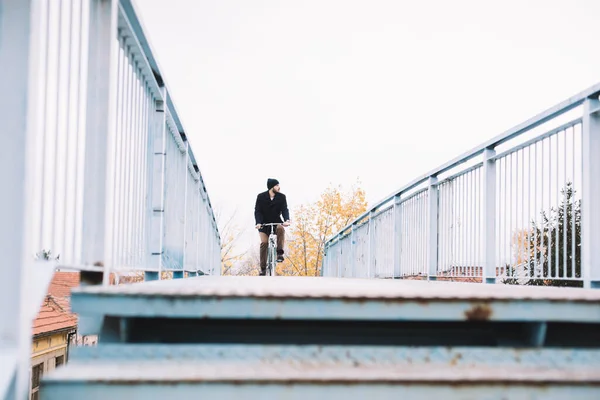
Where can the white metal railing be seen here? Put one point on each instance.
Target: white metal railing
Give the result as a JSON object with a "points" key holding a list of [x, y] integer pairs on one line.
{"points": [[95, 163], [521, 208]]}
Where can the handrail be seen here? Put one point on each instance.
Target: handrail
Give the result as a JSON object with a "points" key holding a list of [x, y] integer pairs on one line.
{"points": [[511, 133]]}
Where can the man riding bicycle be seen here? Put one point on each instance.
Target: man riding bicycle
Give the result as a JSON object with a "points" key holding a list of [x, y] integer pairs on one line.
{"points": [[269, 208]]}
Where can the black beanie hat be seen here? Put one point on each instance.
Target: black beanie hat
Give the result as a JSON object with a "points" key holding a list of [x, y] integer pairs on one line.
{"points": [[272, 183]]}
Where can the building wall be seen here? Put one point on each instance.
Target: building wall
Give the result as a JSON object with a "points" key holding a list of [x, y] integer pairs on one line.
{"points": [[45, 352]]}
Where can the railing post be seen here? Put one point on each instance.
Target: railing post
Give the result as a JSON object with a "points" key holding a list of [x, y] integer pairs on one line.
{"points": [[185, 205], [397, 236], [158, 190], [178, 274], [340, 256], [432, 228], [352, 266], [22, 128], [371, 254], [488, 273], [590, 209], [325, 260], [98, 193]]}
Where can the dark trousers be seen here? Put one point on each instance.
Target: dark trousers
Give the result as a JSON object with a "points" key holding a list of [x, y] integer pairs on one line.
{"points": [[264, 245]]}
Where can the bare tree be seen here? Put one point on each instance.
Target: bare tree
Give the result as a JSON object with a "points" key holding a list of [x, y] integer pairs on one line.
{"points": [[230, 233]]}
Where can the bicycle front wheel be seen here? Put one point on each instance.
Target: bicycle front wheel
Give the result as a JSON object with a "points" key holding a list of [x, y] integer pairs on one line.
{"points": [[273, 260]]}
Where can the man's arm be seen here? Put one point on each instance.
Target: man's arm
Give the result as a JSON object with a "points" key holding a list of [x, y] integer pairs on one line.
{"points": [[258, 216], [284, 211]]}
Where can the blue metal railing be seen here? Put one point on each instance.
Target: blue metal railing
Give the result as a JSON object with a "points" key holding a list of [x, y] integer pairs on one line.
{"points": [[519, 208], [97, 165]]}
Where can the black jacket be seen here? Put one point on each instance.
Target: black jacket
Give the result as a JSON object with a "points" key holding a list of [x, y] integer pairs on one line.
{"points": [[267, 211]]}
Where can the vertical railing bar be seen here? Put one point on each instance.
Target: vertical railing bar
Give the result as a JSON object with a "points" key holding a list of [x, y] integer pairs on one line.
{"points": [[413, 243], [446, 231], [148, 151], [472, 209], [135, 168], [468, 243], [426, 220], [464, 226], [565, 223], [528, 217], [441, 229], [79, 132], [501, 206], [100, 137], [65, 204], [419, 231], [54, 196], [584, 189], [132, 211], [143, 145], [422, 236], [116, 179], [573, 226], [511, 198], [462, 240], [42, 165], [144, 189], [123, 154], [548, 271], [419, 228], [558, 189], [129, 163], [455, 222], [415, 235], [536, 248], [136, 164], [121, 167], [518, 209], [480, 219], [543, 253], [339, 257], [352, 262], [371, 253]]}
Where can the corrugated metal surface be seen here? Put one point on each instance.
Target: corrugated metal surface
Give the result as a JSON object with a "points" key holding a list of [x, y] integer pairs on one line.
{"points": [[331, 298], [333, 288], [346, 338]]}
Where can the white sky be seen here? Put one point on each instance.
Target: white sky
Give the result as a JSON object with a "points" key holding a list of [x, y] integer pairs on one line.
{"points": [[380, 90]]}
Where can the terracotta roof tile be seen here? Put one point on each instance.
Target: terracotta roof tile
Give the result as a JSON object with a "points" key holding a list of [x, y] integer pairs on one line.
{"points": [[62, 283], [55, 311], [53, 317]]}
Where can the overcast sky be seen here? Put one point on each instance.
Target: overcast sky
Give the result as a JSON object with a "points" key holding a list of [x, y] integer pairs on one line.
{"points": [[330, 91]]}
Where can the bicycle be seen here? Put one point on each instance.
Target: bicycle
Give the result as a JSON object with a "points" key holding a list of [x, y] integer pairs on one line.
{"points": [[271, 251]]}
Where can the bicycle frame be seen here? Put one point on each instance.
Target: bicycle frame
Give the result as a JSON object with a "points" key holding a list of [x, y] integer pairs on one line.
{"points": [[272, 251]]}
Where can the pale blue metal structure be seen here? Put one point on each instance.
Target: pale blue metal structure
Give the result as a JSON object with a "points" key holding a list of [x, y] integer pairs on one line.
{"points": [[95, 162], [481, 215], [98, 169]]}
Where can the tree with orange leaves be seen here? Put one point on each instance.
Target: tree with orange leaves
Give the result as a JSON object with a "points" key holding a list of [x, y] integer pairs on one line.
{"points": [[315, 223]]}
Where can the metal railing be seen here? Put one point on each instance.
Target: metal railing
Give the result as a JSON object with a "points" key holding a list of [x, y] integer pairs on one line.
{"points": [[97, 171], [521, 208]]}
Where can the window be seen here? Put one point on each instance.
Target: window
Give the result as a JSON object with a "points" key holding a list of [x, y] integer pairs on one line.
{"points": [[60, 360], [36, 375]]}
